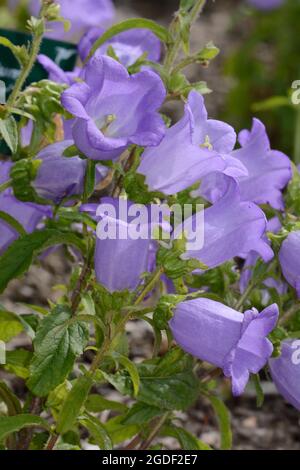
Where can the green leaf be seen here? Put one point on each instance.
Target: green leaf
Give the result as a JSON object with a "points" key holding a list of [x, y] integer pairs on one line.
{"points": [[89, 180], [9, 398], [175, 392], [120, 432], [18, 257], [272, 103], [9, 131], [186, 439], [260, 397], [141, 413], [73, 404], [57, 343], [133, 23], [209, 52], [97, 431], [10, 424], [13, 223], [223, 416], [10, 326], [17, 362], [96, 404], [131, 369]]}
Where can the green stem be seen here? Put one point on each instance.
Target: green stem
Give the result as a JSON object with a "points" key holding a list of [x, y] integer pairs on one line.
{"points": [[106, 344], [175, 47], [5, 185], [25, 71], [297, 138], [239, 304]]}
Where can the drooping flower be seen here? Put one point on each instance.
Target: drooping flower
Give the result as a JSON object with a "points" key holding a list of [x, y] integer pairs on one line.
{"points": [[269, 171], [27, 214], [289, 258], [83, 15], [124, 243], [222, 336], [191, 149], [128, 46], [59, 177], [113, 109], [232, 227], [285, 371], [266, 4]]}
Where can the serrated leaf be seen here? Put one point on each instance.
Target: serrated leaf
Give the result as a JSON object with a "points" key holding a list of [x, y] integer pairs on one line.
{"points": [[9, 132], [10, 424], [133, 23], [73, 404], [57, 343], [18, 257], [175, 392], [97, 431], [10, 399], [10, 326]]}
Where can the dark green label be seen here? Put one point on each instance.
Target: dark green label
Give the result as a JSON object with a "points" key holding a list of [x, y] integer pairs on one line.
{"points": [[64, 54]]}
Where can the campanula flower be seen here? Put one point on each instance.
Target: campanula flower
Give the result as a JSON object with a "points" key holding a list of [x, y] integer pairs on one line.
{"points": [[59, 177], [289, 258], [114, 109], [285, 371], [220, 335], [124, 243], [191, 149], [82, 14], [27, 214], [269, 171], [266, 4], [129, 46], [232, 227]]}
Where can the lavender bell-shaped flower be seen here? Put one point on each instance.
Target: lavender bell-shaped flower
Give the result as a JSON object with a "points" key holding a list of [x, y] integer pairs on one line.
{"points": [[232, 227], [59, 177], [114, 109], [266, 4], [129, 46], [124, 243], [27, 214], [192, 148], [82, 14], [289, 258], [56, 73], [217, 334], [269, 171], [285, 371]]}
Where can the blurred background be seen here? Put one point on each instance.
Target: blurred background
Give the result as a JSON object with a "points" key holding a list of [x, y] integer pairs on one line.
{"points": [[252, 76]]}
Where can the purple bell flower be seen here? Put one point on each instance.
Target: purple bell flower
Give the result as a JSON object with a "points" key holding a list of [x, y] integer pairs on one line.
{"points": [[129, 46], [215, 333], [289, 258], [59, 177], [191, 149], [285, 371], [120, 259], [114, 110], [26, 213], [269, 171], [83, 15], [232, 227], [266, 4]]}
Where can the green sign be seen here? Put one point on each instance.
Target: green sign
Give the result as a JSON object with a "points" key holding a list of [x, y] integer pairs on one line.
{"points": [[64, 54]]}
